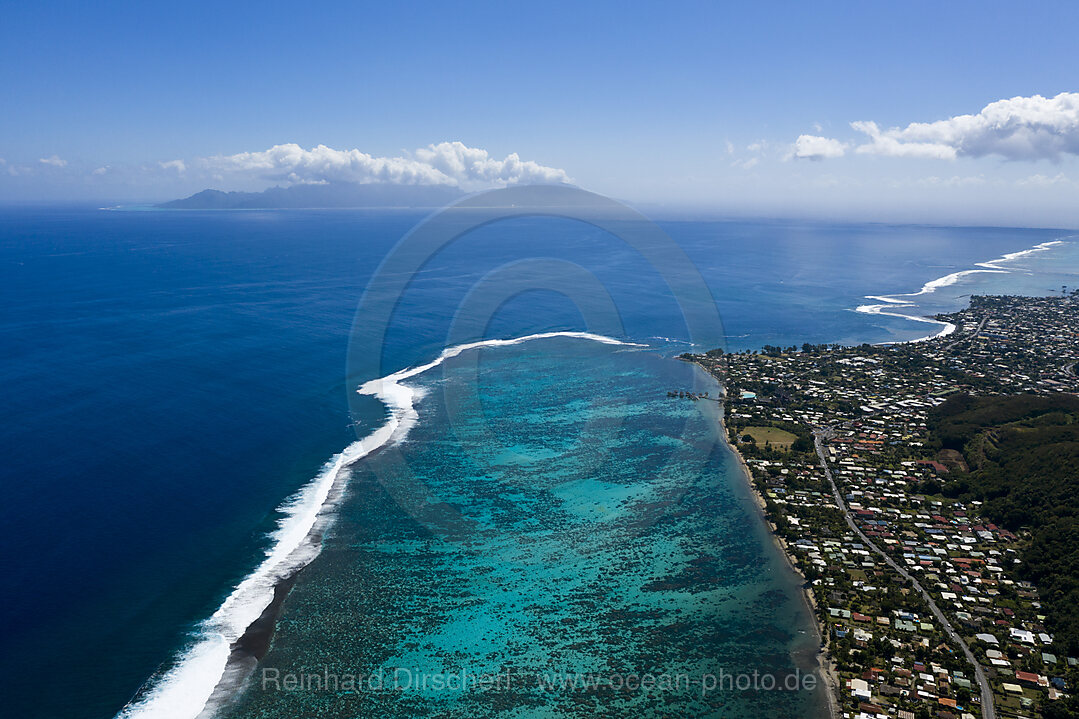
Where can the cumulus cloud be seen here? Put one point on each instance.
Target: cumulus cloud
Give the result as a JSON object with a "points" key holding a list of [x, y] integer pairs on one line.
{"points": [[447, 163], [177, 165], [1020, 128], [888, 143], [54, 161], [814, 147]]}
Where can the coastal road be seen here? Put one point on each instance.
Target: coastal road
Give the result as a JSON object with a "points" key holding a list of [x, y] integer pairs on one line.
{"points": [[988, 710], [970, 336]]}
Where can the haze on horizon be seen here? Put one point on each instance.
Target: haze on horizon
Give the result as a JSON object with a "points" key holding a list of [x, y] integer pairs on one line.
{"points": [[964, 113]]}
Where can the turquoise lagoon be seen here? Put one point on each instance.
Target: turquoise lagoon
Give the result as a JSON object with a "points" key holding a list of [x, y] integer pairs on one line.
{"points": [[179, 381], [557, 527]]}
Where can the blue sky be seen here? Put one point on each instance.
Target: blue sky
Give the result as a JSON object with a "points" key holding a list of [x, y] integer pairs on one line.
{"points": [[684, 104]]}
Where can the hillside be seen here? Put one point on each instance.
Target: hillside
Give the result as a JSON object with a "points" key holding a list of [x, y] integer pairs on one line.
{"points": [[336, 195], [1023, 456]]}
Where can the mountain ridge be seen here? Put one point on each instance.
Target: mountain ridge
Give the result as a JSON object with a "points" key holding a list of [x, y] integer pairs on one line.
{"points": [[334, 195]]}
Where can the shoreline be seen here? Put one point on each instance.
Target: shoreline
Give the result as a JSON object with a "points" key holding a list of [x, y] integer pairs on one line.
{"points": [[885, 539], [825, 666], [255, 639], [894, 301]]}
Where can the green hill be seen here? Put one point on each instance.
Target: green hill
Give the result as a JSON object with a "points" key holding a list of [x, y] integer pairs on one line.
{"points": [[1023, 455]]}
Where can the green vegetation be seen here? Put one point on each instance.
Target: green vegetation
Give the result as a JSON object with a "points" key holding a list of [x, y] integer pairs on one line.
{"points": [[977, 497], [1023, 454], [763, 436]]}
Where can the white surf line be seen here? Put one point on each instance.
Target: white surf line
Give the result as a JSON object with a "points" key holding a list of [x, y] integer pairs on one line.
{"points": [[889, 302], [1041, 247], [183, 691]]}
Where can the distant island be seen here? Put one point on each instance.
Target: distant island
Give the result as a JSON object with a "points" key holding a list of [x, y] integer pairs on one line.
{"points": [[333, 195]]}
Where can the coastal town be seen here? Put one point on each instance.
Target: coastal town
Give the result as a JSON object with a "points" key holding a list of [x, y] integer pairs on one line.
{"points": [[922, 607]]}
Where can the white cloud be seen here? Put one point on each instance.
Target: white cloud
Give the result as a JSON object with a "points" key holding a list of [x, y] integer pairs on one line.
{"points": [[464, 163], [954, 181], [886, 143], [1020, 128], [447, 163], [730, 147], [177, 165], [100, 170], [54, 161], [1040, 180], [814, 147], [746, 164]]}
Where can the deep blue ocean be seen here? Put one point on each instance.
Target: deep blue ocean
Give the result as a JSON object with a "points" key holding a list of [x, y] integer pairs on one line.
{"points": [[171, 378]]}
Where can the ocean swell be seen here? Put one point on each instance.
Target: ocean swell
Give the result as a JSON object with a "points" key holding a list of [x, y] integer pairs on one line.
{"points": [[889, 303], [192, 688]]}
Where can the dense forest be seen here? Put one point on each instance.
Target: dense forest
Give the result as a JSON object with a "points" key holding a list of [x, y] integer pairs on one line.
{"points": [[1022, 453]]}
